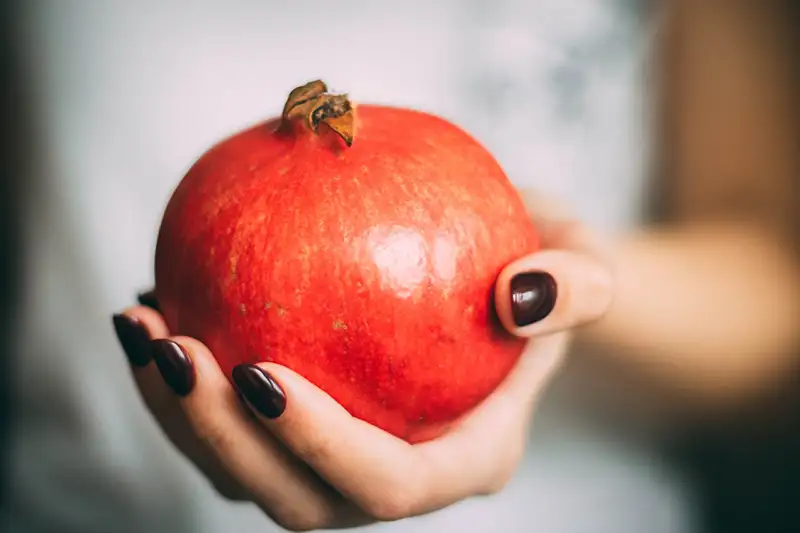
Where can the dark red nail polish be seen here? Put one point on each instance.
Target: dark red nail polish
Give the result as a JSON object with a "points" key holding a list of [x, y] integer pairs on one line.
{"points": [[134, 339], [260, 390], [175, 365], [148, 299], [533, 297]]}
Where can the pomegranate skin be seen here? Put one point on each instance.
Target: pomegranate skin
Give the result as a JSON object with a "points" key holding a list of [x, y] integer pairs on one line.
{"points": [[367, 269]]}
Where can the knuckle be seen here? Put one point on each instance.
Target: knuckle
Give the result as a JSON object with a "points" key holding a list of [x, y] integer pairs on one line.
{"points": [[390, 507], [215, 437]]}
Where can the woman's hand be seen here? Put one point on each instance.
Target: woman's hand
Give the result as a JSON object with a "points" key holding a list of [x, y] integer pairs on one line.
{"points": [[295, 452]]}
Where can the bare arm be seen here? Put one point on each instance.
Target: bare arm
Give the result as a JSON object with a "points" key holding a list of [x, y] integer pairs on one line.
{"points": [[709, 300]]}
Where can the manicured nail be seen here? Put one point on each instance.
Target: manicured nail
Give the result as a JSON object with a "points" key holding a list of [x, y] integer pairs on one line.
{"points": [[260, 390], [533, 297], [175, 365], [134, 339], [148, 299]]}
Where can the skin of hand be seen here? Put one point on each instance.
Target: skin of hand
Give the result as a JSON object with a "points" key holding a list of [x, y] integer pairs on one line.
{"points": [[313, 466]]}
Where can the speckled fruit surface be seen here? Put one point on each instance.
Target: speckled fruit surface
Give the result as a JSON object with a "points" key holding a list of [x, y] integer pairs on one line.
{"points": [[367, 268]]}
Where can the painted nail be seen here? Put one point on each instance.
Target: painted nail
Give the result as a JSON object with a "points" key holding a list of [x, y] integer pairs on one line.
{"points": [[533, 297], [260, 390], [134, 339], [175, 365], [148, 299]]}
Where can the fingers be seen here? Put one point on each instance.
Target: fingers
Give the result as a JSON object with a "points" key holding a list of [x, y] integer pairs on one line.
{"points": [[201, 414], [379, 472], [135, 328], [286, 489], [385, 476], [551, 291]]}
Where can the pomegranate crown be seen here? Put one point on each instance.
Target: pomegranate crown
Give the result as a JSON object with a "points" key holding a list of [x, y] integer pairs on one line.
{"points": [[313, 104]]}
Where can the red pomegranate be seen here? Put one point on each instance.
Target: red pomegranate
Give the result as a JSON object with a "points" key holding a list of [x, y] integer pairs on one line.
{"points": [[358, 247]]}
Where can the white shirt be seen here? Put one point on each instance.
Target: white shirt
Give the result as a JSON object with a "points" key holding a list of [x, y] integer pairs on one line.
{"points": [[131, 93]]}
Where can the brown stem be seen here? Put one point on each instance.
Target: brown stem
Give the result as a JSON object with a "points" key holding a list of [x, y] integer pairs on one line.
{"points": [[312, 104]]}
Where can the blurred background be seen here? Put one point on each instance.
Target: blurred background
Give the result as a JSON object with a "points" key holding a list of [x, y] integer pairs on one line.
{"points": [[646, 117]]}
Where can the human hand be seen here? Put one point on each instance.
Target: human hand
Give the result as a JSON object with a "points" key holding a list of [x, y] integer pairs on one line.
{"points": [[295, 452]]}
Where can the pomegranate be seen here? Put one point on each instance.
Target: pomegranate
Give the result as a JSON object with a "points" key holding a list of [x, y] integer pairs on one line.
{"points": [[358, 246]]}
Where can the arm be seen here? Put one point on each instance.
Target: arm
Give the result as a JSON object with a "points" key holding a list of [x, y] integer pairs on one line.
{"points": [[708, 301]]}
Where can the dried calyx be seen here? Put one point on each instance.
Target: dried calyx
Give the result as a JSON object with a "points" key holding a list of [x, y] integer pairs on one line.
{"points": [[312, 104]]}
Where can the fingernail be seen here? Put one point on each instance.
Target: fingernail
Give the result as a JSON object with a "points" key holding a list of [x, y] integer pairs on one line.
{"points": [[260, 390], [175, 365], [148, 299], [533, 297], [134, 339]]}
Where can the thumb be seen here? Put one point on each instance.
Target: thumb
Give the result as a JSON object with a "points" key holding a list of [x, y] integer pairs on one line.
{"points": [[552, 290], [568, 284]]}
